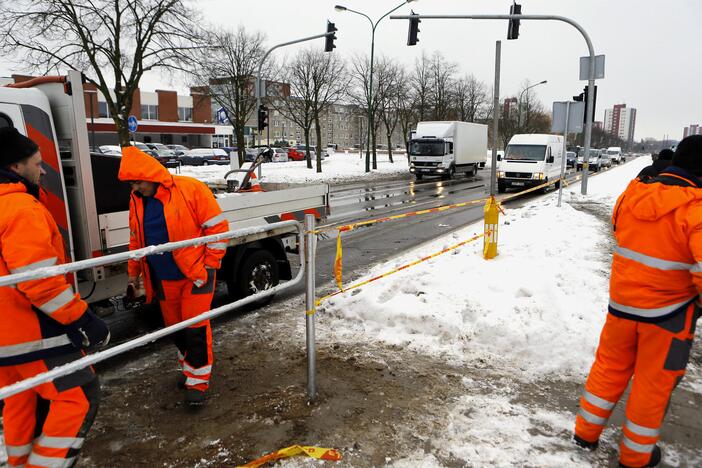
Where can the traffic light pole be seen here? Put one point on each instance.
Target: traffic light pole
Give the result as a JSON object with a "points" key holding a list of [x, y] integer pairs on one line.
{"points": [[258, 76], [591, 71]]}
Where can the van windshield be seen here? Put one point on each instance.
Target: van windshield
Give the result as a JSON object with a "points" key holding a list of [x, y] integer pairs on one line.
{"points": [[612, 152], [427, 148], [526, 152]]}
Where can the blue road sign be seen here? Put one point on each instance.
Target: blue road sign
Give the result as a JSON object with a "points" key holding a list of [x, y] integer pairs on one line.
{"points": [[132, 124]]}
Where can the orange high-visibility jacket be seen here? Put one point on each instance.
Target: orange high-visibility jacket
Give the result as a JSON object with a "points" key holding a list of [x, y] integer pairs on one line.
{"points": [[34, 314], [657, 264], [190, 209]]}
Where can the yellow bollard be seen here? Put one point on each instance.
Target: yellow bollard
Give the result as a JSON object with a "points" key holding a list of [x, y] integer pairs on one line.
{"points": [[492, 218]]}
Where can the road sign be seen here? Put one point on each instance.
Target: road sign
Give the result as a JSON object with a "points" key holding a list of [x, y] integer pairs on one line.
{"points": [[575, 117], [585, 67], [132, 124]]}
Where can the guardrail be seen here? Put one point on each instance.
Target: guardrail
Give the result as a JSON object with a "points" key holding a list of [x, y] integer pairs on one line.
{"points": [[306, 251]]}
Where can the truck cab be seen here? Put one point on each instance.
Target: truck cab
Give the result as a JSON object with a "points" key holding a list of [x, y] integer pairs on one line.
{"points": [[445, 148], [530, 160]]}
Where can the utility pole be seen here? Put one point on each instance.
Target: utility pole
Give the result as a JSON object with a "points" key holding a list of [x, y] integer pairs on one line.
{"points": [[495, 119]]}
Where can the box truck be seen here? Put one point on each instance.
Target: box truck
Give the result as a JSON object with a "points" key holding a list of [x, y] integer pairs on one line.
{"points": [[530, 160], [445, 148]]}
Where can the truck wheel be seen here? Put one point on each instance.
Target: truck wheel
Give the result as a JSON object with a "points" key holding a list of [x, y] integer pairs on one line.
{"points": [[501, 187], [451, 172], [473, 171], [257, 272], [418, 176]]}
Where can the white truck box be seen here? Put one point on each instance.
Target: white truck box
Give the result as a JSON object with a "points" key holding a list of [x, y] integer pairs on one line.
{"points": [[444, 148]]}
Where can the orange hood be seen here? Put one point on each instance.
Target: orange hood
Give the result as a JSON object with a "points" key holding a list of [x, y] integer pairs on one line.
{"points": [[137, 165], [652, 201]]}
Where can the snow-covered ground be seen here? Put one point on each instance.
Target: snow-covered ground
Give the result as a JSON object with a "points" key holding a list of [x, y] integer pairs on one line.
{"points": [[534, 313], [337, 168]]}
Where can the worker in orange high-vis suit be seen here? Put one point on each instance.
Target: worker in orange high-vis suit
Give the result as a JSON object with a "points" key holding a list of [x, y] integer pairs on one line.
{"points": [[654, 290], [43, 323], [167, 208]]}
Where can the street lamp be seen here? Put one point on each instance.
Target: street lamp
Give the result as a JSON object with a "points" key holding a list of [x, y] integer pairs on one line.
{"points": [[341, 8], [519, 102]]}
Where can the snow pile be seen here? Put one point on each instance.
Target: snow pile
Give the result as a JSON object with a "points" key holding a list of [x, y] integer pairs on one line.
{"points": [[536, 309], [337, 168]]}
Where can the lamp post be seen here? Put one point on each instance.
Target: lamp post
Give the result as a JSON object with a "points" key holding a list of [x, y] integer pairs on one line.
{"points": [[519, 102], [342, 8]]}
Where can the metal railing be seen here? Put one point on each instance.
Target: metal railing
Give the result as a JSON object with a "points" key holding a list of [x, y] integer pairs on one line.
{"points": [[239, 236]]}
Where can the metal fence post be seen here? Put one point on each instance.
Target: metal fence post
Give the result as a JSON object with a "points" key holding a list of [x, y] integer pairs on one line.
{"points": [[565, 150], [310, 307]]}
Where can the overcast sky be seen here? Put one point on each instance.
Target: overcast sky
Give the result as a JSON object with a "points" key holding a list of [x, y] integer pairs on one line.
{"points": [[652, 48]]}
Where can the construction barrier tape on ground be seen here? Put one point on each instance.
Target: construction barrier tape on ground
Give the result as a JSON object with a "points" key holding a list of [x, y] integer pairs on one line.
{"points": [[313, 452], [403, 267]]}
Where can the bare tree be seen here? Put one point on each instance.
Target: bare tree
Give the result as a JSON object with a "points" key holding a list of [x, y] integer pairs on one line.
{"points": [[388, 74], [112, 42], [330, 83], [407, 115], [227, 72], [421, 81], [470, 97], [360, 69], [298, 105], [442, 75]]}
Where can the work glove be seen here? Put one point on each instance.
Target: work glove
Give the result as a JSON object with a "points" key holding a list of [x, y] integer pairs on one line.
{"points": [[88, 331]]}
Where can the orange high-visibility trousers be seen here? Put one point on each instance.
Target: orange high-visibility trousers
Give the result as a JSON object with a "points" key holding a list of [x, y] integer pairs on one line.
{"points": [[46, 425], [656, 355], [181, 300]]}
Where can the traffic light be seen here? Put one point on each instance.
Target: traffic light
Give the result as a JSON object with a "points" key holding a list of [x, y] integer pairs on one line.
{"points": [[262, 117], [329, 40], [513, 26], [413, 29], [582, 97]]}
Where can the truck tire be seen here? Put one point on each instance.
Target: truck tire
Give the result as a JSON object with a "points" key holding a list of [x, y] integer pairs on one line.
{"points": [[501, 187], [473, 171], [449, 175], [258, 271], [418, 176]]}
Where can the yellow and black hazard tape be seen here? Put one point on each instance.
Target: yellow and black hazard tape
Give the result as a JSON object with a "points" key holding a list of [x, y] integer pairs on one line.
{"points": [[403, 267]]}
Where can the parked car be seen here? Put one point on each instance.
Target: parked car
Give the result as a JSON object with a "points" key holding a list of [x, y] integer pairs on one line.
{"points": [[179, 150], [280, 155], [571, 160], [166, 156], [113, 150], [295, 155], [204, 157], [250, 154], [145, 149]]}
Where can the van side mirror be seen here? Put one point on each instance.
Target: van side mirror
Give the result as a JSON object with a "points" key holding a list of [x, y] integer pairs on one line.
{"points": [[550, 159], [499, 158]]}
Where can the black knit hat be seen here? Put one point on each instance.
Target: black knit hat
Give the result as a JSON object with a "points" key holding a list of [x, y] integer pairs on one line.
{"points": [[688, 154], [666, 154], [14, 146]]}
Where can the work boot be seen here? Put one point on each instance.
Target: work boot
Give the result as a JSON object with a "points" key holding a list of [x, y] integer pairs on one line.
{"points": [[580, 442], [180, 383], [654, 461], [194, 398]]}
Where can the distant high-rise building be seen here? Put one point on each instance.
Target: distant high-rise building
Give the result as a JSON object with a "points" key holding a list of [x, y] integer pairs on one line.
{"points": [[510, 105], [621, 121], [693, 129]]}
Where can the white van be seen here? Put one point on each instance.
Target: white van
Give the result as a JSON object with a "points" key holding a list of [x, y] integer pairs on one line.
{"points": [[530, 160], [615, 152]]}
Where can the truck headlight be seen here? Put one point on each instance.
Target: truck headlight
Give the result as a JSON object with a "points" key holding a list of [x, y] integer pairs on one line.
{"points": [[500, 175], [538, 176]]}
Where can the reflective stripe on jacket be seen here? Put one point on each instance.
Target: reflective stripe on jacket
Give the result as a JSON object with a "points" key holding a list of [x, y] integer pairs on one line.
{"points": [[34, 313], [657, 264], [190, 209]]}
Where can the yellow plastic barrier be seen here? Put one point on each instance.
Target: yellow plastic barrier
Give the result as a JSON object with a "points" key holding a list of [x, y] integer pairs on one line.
{"points": [[313, 452], [492, 219]]}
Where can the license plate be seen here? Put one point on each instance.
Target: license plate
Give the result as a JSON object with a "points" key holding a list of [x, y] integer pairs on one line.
{"points": [[518, 184], [425, 170]]}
